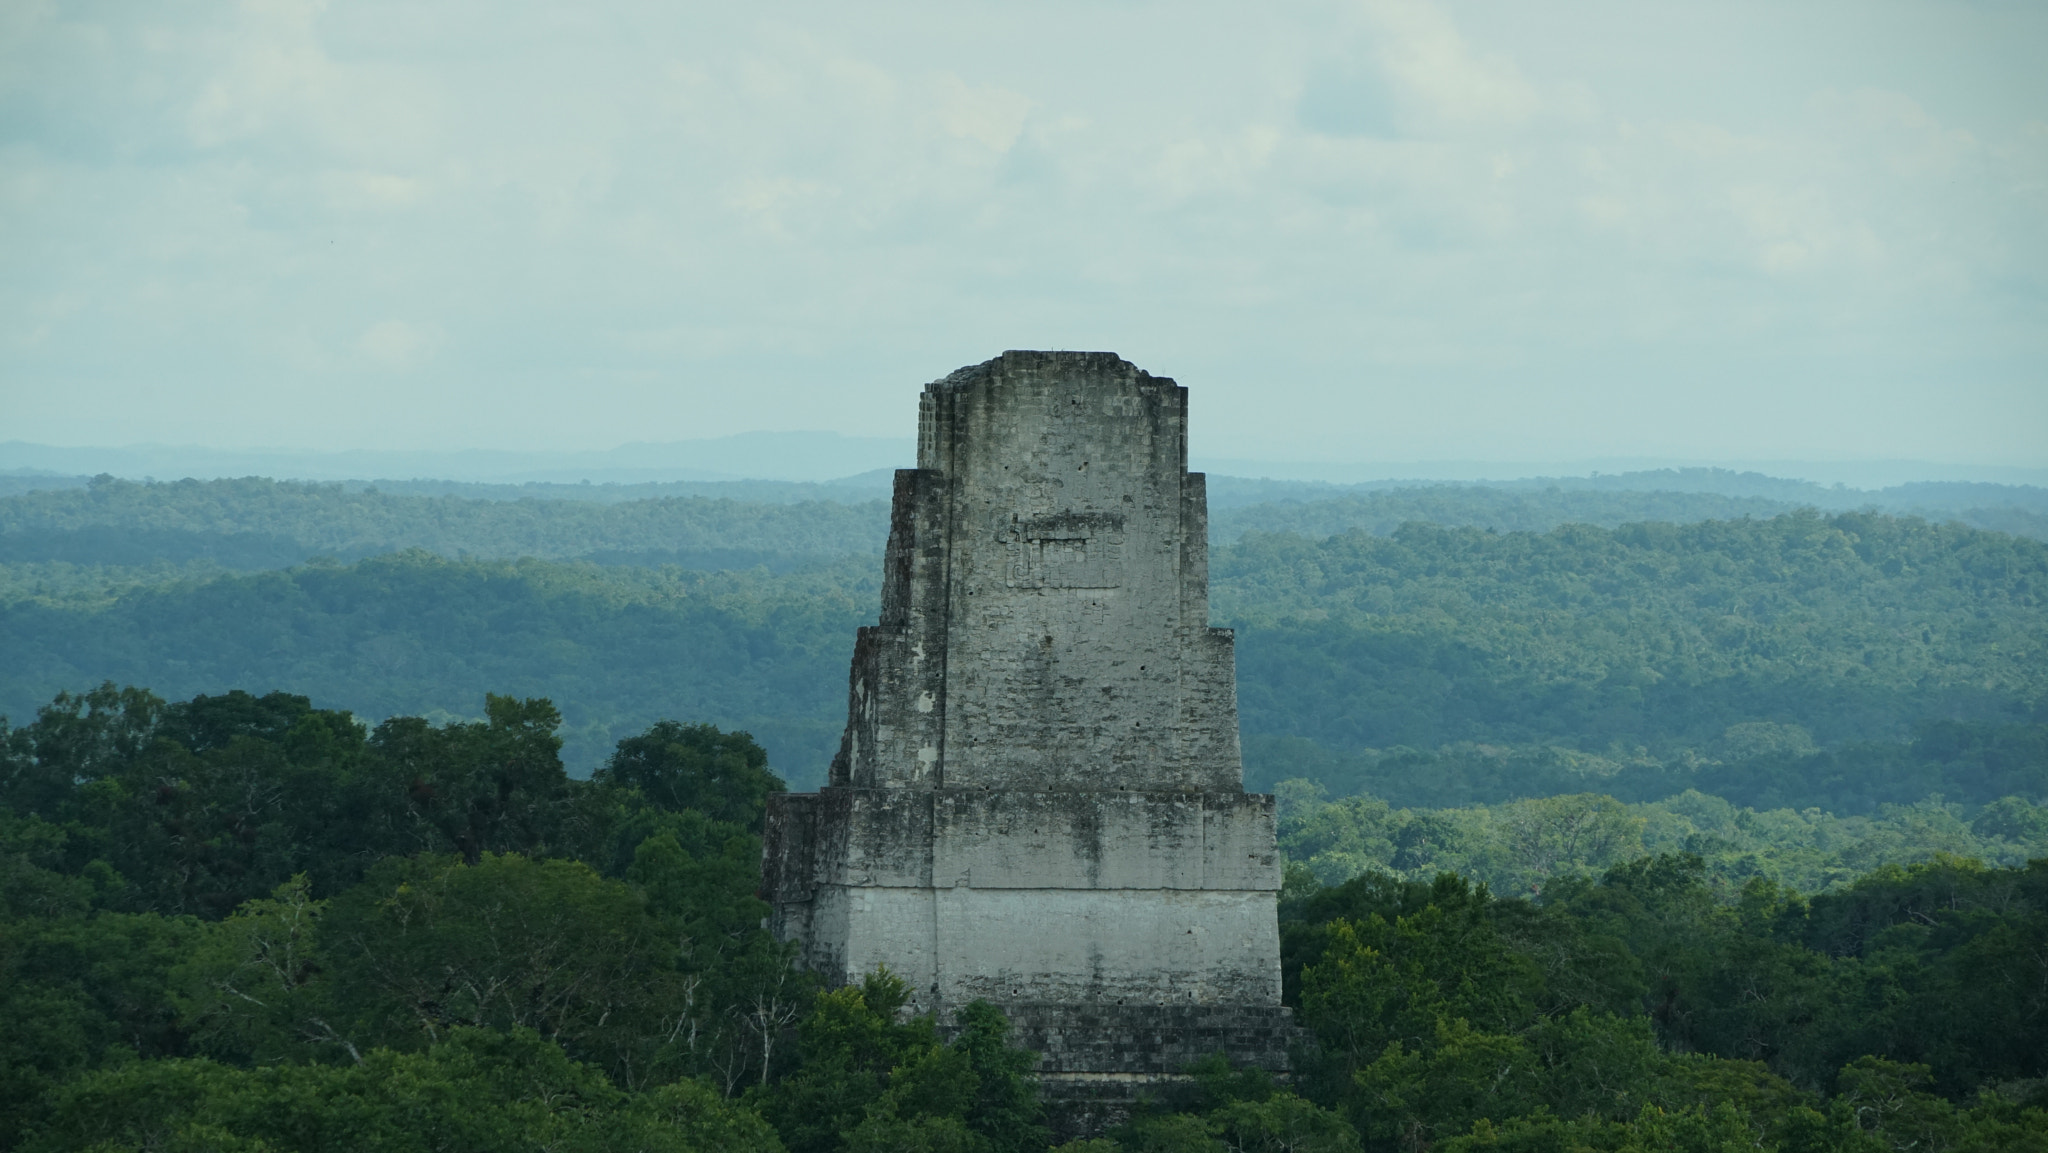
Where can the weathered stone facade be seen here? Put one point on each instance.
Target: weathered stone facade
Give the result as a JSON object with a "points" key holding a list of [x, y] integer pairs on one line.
{"points": [[1039, 797]]}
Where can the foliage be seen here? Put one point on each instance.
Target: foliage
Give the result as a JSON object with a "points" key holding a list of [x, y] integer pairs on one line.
{"points": [[78, 987], [258, 881], [252, 522], [1668, 494], [201, 805], [1641, 1010], [414, 634], [245, 922], [1664, 636], [1731, 780], [722, 775], [1838, 662], [1756, 764], [870, 1080], [1499, 509], [1520, 846], [478, 1090], [427, 946]]}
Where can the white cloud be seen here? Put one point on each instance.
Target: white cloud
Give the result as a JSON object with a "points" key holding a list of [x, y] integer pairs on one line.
{"points": [[273, 73], [780, 206], [1373, 210], [398, 344], [1422, 50], [990, 116]]}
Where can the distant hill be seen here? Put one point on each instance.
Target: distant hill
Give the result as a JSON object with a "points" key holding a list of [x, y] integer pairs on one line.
{"points": [[787, 456], [1643, 650], [253, 523], [1380, 513], [1470, 506], [14, 482]]}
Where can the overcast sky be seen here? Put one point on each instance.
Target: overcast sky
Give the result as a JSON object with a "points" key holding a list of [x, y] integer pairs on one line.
{"points": [[1393, 231]]}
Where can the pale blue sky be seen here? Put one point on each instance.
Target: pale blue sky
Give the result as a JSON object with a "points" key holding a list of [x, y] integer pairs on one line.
{"points": [[1374, 231]]}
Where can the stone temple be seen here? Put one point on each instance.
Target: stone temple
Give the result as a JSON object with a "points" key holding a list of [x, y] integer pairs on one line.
{"points": [[1039, 799]]}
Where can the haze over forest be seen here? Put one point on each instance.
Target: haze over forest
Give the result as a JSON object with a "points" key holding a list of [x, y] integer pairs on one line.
{"points": [[1693, 719]]}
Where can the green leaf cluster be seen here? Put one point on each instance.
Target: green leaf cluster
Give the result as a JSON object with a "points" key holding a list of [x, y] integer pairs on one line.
{"points": [[1643, 1011], [871, 1080], [1227, 1110], [260, 882], [1521, 846], [479, 1091]]}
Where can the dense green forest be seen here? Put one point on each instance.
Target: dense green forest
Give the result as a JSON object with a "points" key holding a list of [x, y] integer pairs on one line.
{"points": [[415, 633], [1788, 661], [1617, 817], [1516, 847], [255, 523], [252, 523], [1459, 506], [242, 922], [1841, 661], [1935, 500]]}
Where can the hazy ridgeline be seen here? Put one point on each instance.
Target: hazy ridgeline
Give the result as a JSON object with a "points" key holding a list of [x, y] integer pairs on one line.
{"points": [[1795, 659], [254, 523]]}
